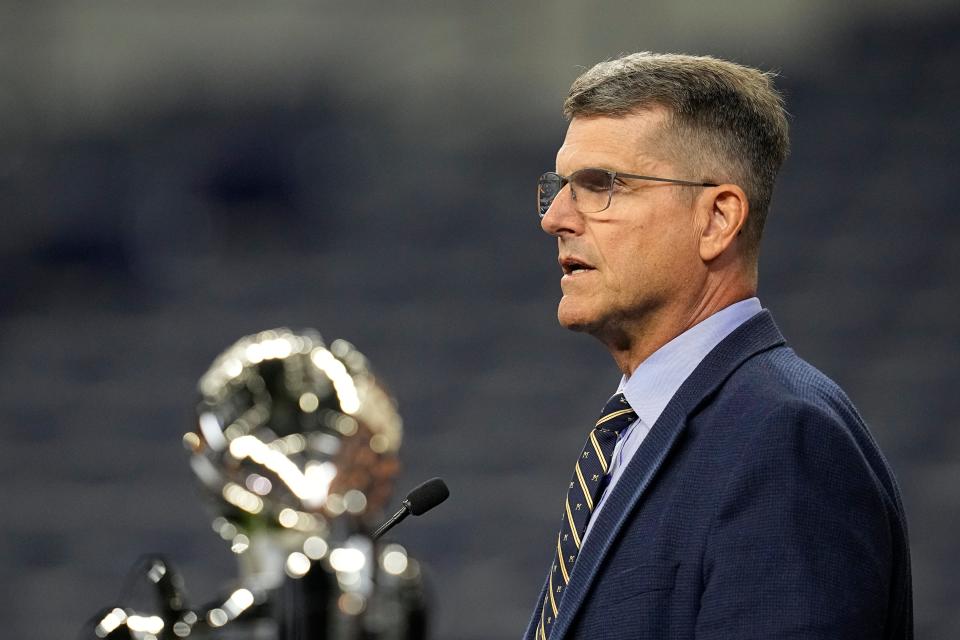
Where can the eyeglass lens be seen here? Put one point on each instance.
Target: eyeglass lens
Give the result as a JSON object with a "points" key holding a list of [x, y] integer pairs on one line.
{"points": [[591, 188]]}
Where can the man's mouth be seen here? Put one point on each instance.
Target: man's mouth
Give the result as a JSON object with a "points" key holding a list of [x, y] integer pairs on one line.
{"points": [[572, 266]]}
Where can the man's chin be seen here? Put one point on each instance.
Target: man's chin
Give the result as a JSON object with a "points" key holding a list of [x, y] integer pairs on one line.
{"points": [[574, 319]]}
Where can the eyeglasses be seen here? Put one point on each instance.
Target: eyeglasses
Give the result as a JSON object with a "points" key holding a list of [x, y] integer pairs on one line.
{"points": [[592, 189]]}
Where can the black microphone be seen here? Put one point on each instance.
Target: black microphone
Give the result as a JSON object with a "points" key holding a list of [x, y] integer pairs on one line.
{"points": [[419, 501]]}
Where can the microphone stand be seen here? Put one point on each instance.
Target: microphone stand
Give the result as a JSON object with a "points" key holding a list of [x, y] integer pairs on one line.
{"points": [[393, 520]]}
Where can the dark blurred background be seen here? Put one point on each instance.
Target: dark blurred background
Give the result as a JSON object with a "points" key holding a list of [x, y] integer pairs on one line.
{"points": [[176, 175]]}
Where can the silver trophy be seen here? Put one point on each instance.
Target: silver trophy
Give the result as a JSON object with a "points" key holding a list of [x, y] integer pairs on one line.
{"points": [[296, 444]]}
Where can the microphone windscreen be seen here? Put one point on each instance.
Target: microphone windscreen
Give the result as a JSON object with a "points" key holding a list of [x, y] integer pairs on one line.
{"points": [[427, 496]]}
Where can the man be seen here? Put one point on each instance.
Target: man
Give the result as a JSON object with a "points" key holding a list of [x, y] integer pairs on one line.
{"points": [[729, 489]]}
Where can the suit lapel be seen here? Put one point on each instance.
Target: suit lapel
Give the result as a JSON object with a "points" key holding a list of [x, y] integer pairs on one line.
{"points": [[757, 334]]}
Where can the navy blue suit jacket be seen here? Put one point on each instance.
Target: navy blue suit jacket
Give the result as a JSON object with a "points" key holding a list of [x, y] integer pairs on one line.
{"points": [[759, 506]]}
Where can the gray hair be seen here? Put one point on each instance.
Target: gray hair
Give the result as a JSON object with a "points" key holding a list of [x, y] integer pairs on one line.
{"points": [[727, 121]]}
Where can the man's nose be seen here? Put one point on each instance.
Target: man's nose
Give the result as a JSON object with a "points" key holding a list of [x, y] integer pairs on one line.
{"points": [[562, 217]]}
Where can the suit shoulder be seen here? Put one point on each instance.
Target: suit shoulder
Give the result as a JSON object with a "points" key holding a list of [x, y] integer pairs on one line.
{"points": [[777, 399], [778, 380]]}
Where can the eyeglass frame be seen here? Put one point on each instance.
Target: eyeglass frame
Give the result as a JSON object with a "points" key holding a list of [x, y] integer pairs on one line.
{"points": [[565, 180]]}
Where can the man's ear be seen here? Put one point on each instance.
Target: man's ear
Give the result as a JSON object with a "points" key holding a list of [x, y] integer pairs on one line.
{"points": [[726, 209]]}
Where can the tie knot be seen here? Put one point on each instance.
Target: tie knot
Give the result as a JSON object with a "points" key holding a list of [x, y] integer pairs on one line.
{"points": [[617, 414]]}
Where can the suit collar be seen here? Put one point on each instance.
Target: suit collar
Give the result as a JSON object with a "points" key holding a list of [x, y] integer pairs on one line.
{"points": [[756, 335]]}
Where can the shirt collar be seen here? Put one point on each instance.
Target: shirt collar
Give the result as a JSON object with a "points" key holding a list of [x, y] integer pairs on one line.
{"points": [[653, 383]]}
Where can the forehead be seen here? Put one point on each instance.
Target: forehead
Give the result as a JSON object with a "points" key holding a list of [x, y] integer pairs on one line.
{"points": [[623, 143]]}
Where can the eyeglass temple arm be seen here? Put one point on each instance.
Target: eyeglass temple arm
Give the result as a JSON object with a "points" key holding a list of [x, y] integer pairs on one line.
{"points": [[686, 183]]}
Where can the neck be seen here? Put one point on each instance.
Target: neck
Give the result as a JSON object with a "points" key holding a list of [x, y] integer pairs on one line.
{"points": [[635, 341]]}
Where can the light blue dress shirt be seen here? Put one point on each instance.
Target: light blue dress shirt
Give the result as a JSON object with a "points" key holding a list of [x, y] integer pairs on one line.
{"points": [[653, 384]]}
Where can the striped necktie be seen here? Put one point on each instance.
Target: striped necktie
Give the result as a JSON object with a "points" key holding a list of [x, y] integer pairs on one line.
{"points": [[586, 487]]}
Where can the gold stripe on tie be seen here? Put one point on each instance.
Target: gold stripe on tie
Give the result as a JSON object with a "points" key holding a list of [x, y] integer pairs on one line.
{"points": [[563, 567], [543, 634], [553, 603], [583, 485], [573, 527], [611, 416], [596, 447]]}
